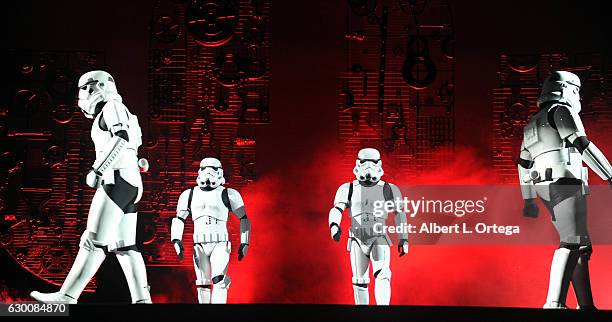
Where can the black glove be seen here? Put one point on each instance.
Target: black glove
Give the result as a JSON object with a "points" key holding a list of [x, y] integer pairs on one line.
{"points": [[530, 209], [337, 235], [400, 247], [242, 251], [181, 248]]}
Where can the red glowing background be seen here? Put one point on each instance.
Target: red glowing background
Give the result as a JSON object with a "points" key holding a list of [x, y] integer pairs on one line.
{"points": [[292, 259]]}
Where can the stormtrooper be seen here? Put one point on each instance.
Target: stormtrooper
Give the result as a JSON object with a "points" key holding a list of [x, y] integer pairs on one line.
{"points": [[550, 166], [365, 243], [115, 174], [209, 204]]}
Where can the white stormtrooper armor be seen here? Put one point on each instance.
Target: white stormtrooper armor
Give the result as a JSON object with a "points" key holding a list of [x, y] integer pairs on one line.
{"points": [[209, 204], [551, 166], [115, 174], [365, 243]]}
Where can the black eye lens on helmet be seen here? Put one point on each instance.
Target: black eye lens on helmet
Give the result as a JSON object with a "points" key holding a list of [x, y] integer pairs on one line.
{"points": [[366, 160]]}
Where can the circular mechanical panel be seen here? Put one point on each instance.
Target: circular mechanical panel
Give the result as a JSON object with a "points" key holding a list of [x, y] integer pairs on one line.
{"points": [[211, 22], [523, 63], [62, 113], [56, 261]]}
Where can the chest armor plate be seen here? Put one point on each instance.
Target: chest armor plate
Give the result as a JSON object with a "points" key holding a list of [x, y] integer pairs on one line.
{"points": [[208, 203], [362, 211], [364, 199]]}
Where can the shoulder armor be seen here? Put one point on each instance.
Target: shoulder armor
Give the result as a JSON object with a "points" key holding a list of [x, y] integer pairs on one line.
{"points": [[183, 202], [566, 121], [116, 116]]}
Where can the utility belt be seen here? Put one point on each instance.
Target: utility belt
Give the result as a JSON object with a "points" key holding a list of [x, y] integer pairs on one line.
{"points": [[212, 237], [536, 177], [366, 239], [553, 172], [115, 248], [550, 174], [365, 229]]}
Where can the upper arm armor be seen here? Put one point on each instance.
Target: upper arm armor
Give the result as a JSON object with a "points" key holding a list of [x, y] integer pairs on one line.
{"points": [[396, 192], [237, 208], [342, 195], [182, 206], [525, 159], [525, 163], [340, 203], [400, 215], [116, 116], [178, 222], [236, 202]]}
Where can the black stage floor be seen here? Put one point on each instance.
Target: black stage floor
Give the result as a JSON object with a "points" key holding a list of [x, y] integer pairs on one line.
{"points": [[339, 313]]}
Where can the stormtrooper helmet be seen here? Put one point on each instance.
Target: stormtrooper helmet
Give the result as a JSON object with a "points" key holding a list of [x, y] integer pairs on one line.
{"points": [[94, 87], [210, 174], [368, 167], [563, 87]]}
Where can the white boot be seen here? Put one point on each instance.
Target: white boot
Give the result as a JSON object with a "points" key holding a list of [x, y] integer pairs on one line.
{"points": [[219, 290], [382, 291], [361, 295], [135, 272], [53, 298], [85, 266], [561, 270], [581, 281], [204, 295], [219, 295]]}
